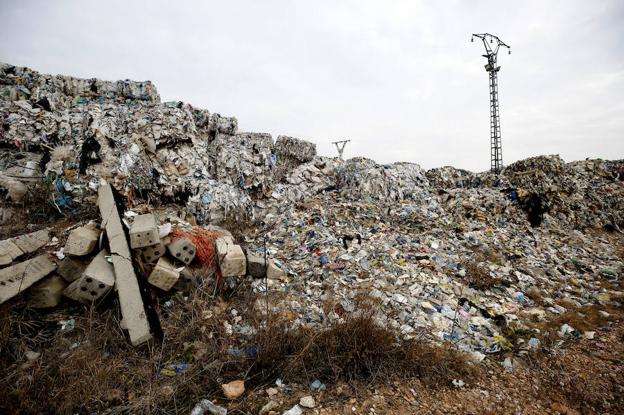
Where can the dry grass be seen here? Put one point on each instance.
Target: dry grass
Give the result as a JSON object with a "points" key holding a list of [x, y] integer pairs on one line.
{"points": [[478, 277], [93, 368], [356, 348]]}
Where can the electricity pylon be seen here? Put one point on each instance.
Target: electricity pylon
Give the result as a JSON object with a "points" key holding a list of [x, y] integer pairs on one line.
{"points": [[340, 145], [491, 50]]}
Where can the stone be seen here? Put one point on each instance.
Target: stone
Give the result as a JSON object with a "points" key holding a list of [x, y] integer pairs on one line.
{"points": [[47, 293], [255, 265], [269, 406], [130, 301], [206, 405], [274, 272], [144, 231], [152, 253], [19, 277], [307, 402], [295, 410], [82, 241], [164, 275], [31, 355], [97, 279], [233, 389], [70, 269], [183, 250]]}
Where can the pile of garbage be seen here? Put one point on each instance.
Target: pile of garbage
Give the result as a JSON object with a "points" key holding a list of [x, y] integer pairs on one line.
{"points": [[463, 257]]}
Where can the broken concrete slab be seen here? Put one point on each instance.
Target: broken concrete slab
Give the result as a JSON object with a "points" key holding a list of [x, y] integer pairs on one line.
{"points": [[144, 231], [70, 269], [164, 275], [82, 241], [11, 249], [47, 293], [18, 278], [130, 301], [8, 252], [183, 250], [32, 241]]}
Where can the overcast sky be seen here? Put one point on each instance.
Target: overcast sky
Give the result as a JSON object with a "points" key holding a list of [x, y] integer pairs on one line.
{"points": [[399, 78]]}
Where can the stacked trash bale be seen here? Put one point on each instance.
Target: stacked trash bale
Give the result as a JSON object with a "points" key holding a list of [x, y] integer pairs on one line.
{"points": [[449, 177], [290, 153], [50, 92], [363, 178], [578, 194]]}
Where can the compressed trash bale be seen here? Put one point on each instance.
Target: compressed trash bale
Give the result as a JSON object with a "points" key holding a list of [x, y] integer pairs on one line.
{"points": [[144, 231], [47, 293], [182, 249], [97, 279], [233, 262], [82, 241], [164, 275], [19, 277], [291, 152]]}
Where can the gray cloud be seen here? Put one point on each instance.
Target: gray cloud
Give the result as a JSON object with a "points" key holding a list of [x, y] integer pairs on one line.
{"points": [[400, 78]]}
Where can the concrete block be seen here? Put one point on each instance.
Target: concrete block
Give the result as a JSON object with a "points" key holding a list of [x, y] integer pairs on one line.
{"points": [[187, 281], [130, 301], [222, 244], [97, 279], [19, 277], [47, 293], [82, 241], [8, 252], [31, 242], [152, 253], [182, 249], [70, 269], [255, 265], [164, 275], [144, 231], [234, 262]]}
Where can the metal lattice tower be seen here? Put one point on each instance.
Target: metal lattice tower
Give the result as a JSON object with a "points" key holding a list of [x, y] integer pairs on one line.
{"points": [[340, 145], [491, 50]]}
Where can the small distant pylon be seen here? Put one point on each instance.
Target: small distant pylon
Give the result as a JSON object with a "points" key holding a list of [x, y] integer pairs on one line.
{"points": [[340, 145]]}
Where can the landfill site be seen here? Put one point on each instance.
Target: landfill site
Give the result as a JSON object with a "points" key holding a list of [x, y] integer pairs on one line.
{"points": [[155, 259]]}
